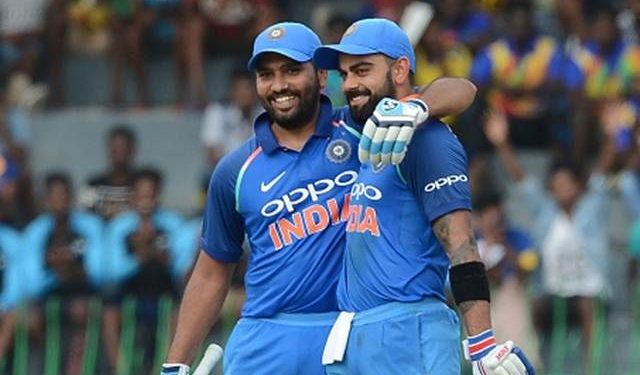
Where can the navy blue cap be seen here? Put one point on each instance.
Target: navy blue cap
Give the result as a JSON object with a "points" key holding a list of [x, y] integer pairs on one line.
{"points": [[291, 39], [367, 37]]}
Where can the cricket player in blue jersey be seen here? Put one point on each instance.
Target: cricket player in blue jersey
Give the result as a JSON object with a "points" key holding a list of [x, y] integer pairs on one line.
{"points": [[407, 227], [287, 189]]}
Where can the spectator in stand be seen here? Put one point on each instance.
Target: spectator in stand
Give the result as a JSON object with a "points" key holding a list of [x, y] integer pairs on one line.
{"points": [[127, 29], [571, 23], [108, 193], [465, 24], [15, 127], [136, 22], [510, 257], [63, 249], [21, 25], [620, 119], [75, 27], [335, 27], [519, 75], [12, 213], [437, 56], [236, 22], [12, 288], [628, 21], [227, 124], [604, 69], [389, 9], [17, 204], [145, 261], [569, 226]]}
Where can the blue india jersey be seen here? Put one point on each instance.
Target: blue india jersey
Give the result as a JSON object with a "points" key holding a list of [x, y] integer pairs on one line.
{"points": [[123, 263], [291, 206], [392, 253]]}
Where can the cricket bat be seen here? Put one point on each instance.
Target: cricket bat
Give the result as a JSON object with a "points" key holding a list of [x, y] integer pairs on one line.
{"points": [[208, 362]]}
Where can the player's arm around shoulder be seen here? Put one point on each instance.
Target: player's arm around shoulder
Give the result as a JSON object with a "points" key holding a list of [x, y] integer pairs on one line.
{"points": [[389, 130], [447, 96]]}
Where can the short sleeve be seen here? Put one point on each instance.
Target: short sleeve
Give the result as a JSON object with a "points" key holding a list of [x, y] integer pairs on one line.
{"points": [[435, 170], [223, 226]]}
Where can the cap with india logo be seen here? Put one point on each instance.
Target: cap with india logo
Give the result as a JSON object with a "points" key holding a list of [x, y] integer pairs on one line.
{"points": [[367, 37], [291, 39]]}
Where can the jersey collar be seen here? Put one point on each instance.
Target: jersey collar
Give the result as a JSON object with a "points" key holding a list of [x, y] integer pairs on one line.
{"points": [[267, 140]]}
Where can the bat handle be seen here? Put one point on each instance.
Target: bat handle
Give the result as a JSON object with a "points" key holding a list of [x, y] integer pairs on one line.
{"points": [[208, 362]]}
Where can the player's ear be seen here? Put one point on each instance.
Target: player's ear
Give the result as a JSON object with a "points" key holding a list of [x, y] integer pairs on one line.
{"points": [[322, 78], [401, 71]]}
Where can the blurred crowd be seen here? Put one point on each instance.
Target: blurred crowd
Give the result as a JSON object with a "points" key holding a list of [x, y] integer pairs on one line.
{"points": [[37, 36], [560, 78]]}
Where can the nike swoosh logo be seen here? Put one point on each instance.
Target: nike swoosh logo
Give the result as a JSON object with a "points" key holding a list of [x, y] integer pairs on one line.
{"points": [[266, 187]]}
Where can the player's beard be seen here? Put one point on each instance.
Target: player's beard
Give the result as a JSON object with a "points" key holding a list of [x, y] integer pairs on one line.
{"points": [[298, 117], [362, 113]]}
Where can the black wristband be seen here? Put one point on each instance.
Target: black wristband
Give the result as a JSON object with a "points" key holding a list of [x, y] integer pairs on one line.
{"points": [[469, 282]]}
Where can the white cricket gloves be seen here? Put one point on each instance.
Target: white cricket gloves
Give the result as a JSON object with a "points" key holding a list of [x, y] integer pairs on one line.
{"points": [[174, 369], [487, 358], [388, 131]]}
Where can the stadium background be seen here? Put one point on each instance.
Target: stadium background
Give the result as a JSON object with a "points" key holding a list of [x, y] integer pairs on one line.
{"points": [[61, 62]]}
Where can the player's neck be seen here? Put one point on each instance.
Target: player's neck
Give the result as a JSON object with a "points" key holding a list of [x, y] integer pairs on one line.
{"points": [[295, 139]]}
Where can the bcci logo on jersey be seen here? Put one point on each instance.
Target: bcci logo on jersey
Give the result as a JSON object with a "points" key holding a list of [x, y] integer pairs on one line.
{"points": [[338, 151]]}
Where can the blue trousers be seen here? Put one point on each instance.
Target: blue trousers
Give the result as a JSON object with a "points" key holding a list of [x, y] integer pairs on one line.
{"points": [[419, 338], [288, 344]]}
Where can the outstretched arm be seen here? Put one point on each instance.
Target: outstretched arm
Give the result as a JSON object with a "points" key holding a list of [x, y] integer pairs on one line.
{"points": [[200, 307], [448, 96], [497, 131]]}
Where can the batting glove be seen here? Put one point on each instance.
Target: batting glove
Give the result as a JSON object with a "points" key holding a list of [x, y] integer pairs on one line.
{"points": [[491, 359], [174, 369], [388, 131]]}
